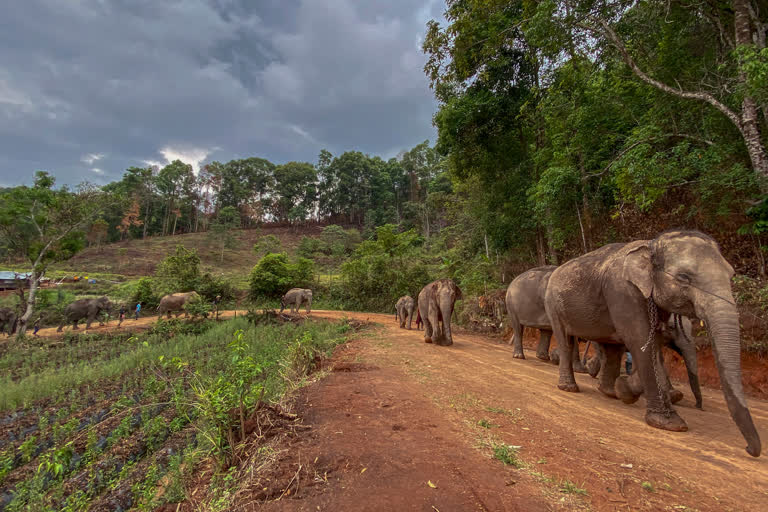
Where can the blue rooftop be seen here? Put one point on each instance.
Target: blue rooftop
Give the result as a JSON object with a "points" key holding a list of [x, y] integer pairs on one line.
{"points": [[5, 274]]}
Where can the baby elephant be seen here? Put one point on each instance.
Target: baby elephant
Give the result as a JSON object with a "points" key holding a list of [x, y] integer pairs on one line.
{"points": [[404, 310], [295, 297]]}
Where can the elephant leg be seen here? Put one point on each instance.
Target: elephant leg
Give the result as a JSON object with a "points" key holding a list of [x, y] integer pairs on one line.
{"points": [[446, 310], [61, 327], [410, 320], [609, 361], [675, 395], [437, 335], [517, 340], [578, 366], [545, 338], [427, 325], [88, 323], [595, 363], [659, 412], [74, 325], [566, 381]]}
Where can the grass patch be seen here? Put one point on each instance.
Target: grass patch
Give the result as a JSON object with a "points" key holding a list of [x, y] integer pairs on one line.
{"points": [[648, 486], [508, 454], [568, 487], [486, 424]]}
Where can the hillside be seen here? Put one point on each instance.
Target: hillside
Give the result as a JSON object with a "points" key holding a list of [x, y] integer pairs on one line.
{"points": [[140, 257]]}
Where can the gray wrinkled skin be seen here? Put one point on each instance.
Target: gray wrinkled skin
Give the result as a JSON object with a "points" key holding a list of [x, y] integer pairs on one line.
{"points": [[604, 296]]}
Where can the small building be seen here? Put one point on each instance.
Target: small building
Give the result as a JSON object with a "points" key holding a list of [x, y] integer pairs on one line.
{"points": [[11, 280]]}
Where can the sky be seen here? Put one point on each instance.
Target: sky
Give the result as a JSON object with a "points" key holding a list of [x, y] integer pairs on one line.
{"points": [[89, 88]]}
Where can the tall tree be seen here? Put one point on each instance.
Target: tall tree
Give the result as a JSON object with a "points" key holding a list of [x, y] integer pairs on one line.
{"points": [[295, 191], [45, 225], [221, 229]]}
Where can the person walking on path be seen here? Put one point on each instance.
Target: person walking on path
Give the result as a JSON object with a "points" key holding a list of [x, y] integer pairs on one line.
{"points": [[216, 305], [121, 315], [138, 310], [37, 325]]}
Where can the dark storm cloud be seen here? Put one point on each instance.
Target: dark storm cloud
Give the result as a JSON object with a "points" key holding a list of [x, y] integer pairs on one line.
{"points": [[90, 87]]}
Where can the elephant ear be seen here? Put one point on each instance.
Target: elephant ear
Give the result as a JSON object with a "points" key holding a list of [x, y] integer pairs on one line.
{"points": [[637, 269]]}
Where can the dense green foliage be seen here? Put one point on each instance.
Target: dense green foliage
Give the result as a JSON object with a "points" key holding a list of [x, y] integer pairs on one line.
{"points": [[274, 275]]}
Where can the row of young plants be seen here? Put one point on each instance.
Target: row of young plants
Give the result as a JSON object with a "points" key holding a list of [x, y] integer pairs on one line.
{"points": [[182, 398]]}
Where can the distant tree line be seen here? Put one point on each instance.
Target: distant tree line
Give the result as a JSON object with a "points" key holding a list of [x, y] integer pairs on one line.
{"points": [[353, 189]]}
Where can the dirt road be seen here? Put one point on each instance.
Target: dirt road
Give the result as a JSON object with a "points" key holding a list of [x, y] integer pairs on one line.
{"points": [[398, 413], [599, 444]]}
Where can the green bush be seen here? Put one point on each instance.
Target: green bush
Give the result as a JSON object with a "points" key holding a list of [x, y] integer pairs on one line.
{"points": [[180, 271], [145, 294], [273, 275], [382, 270], [209, 286]]}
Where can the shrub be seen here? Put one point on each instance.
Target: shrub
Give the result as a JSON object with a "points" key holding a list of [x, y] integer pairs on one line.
{"points": [[180, 271], [273, 275], [209, 286], [144, 293]]}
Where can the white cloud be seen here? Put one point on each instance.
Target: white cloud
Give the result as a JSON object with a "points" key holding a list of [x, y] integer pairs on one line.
{"points": [[192, 156], [90, 158], [98, 171]]}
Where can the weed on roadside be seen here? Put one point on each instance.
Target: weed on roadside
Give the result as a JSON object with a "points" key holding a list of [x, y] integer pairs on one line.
{"points": [[508, 454], [568, 487], [648, 486]]}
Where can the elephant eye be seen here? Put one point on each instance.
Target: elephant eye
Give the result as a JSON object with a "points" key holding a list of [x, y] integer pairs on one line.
{"points": [[683, 278]]}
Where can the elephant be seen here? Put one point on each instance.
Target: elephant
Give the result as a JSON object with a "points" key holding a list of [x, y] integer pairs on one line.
{"points": [[175, 302], [295, 297], [90, 309], [619, 294], [525, 307], [435, 303], [7, 320], [404, 310], [677, 334]]}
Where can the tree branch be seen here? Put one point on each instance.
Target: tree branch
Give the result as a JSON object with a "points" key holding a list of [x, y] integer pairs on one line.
{"points": [[701, 96], [643, 141]]}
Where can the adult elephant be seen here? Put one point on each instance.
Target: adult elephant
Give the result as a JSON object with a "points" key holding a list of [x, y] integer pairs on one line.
{"points": [[7, 320], [435, 302], [620, 293], [525, 306], [404, 310], [175, 302], [677, 335], [90, 309], [295, 297]]}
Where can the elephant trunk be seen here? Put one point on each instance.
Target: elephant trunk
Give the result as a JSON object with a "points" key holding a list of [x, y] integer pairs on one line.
{"points": [[723, 323]]}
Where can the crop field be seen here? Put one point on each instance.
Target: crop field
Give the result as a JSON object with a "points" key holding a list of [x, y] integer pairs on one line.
{"points": [[119, 421]]}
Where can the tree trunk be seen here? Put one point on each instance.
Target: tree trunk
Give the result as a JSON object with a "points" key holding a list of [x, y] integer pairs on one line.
{"points": [[146, 221], [33, 278]]}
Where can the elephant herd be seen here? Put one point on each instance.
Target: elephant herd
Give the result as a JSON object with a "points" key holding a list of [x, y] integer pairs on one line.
{"points": [[636, 297]]}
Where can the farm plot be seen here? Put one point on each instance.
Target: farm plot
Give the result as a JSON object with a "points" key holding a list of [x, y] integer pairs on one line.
{"points": [[104, 421]]}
